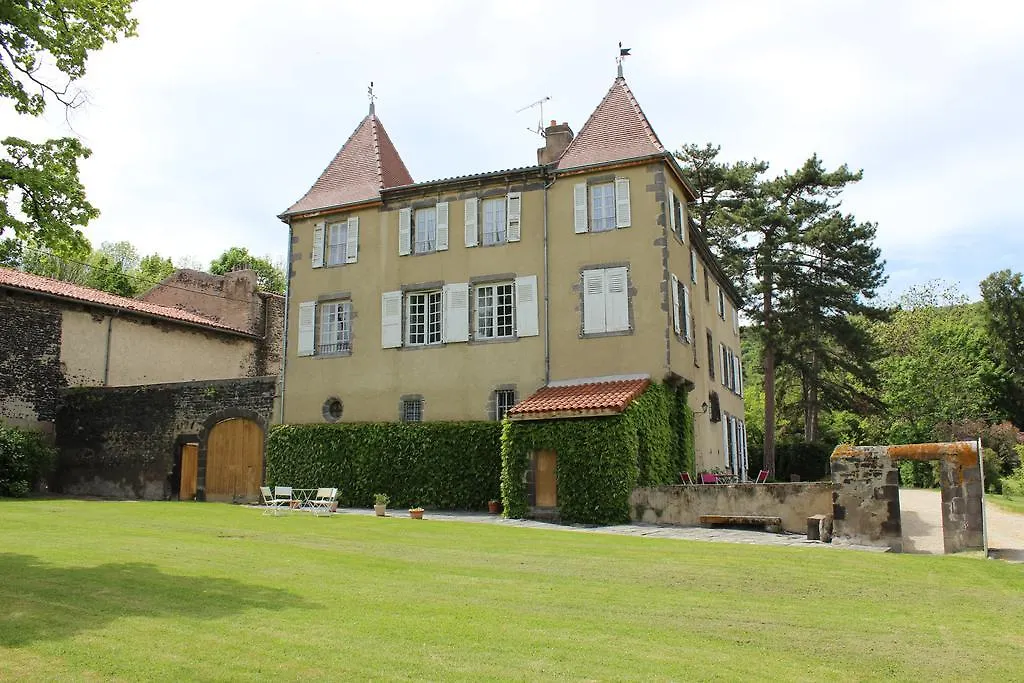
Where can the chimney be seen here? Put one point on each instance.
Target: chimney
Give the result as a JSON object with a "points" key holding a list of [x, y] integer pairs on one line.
{"points": [[556, 138]]}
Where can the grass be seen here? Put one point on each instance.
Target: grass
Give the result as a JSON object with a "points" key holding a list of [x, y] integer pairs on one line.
{"points": [[115, 590], [1011, 503]]}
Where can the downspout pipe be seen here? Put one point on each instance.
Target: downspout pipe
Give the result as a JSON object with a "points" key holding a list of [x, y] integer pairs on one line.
{"points": [[547, 290], [106, 357]]}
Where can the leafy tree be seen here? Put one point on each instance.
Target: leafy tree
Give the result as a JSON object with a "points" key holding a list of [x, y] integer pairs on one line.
{"points": [[107, 274], [803, 266], [1003, 294], [269, 276], [42, 200], [154, 269]]}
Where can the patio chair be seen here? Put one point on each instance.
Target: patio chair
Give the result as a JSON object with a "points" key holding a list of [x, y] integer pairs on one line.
{"points": [[762, 477], [322, 502], [283, 497], [708, 478], [686, 479], [271, 505]]}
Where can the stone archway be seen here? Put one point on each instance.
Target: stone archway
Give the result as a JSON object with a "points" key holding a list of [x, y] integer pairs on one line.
{"points": [[865, 495]]}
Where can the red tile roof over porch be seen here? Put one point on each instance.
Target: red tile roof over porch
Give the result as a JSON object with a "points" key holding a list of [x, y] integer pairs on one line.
{"points": [[579, 400]]}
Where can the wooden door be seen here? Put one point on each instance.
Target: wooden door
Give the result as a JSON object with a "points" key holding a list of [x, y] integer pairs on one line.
{"points": [[189, 471], [544, 479], [234, 461]]}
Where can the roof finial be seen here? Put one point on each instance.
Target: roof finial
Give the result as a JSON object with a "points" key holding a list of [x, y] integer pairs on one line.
{"points": [[369, 93], [623, 53]]}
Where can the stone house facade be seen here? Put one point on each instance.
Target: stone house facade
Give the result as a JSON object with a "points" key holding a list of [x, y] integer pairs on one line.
{"points": [[455, 299]]}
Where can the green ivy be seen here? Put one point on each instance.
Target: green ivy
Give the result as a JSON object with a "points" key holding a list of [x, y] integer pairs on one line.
{"points": [[600, 460], [25, 461], [443, 465]]}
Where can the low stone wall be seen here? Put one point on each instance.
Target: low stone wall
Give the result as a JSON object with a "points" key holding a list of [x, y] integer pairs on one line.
{"points": [[683, 505], [121, 442]]}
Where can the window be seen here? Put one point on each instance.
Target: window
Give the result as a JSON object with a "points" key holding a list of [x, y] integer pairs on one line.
{"points": [[412, 410], [494, 221], [494, 311], [335, 327], [605, 300], [504, 399], [602, 207], [424, 231], [423, 314], [679, 214], [332, 409], [736, 320], [693, 266], [337, 243], [711, 356], [682, 303], [721, 303], [707, 285]]}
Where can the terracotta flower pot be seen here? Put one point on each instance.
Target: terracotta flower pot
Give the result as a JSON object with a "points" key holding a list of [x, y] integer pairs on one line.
{"points": [[380, 509], [494, 506], [416, 513]]}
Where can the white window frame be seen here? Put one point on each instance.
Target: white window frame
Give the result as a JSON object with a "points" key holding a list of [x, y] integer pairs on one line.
{"points": [[492, 329], [721, 302], [337, 244], [501, 402], [430, 247], [341, 334], [608, 187], [432, 330], [500, 234]]}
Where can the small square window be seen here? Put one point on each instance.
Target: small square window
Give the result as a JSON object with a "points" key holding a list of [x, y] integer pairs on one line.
{"points": [[504, 399], [412, 410]]}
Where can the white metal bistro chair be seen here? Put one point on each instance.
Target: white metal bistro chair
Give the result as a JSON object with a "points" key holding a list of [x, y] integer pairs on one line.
{"points": [[283, 497], [271, 505], [322, 502]]}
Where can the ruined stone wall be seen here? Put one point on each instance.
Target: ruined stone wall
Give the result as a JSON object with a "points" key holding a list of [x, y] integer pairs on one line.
{"points": [[231, 299], [683, 505], [121, 442], [31, 377], [866, 504]]}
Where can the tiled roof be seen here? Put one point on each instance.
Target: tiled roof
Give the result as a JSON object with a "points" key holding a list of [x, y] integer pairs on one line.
{"points": [[616, 131], [65, 290], [579, 400], [367, 163]]}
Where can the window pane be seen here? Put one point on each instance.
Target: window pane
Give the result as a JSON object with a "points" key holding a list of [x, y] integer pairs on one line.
{"points": [[434, 319], [417, 319], [485, 312], [504, 307], [412, 411], [494, 221], [602, 207], [425, 231], [337, 243]]}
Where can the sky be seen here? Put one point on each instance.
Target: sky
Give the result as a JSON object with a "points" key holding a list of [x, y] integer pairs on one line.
{"points": [[219, 115]]}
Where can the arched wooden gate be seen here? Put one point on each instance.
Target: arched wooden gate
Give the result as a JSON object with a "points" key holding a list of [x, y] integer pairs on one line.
{"points": [[234, 461]]}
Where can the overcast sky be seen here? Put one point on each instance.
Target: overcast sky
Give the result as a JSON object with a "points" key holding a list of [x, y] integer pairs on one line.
{"points": [[221, 114]]}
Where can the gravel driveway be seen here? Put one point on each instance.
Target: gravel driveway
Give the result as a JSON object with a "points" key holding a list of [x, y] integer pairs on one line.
{"points": [[921, 513]]}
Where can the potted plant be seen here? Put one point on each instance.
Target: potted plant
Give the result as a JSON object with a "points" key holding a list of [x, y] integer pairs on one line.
{"points": [[380, 503], [494, 506], [416, 513]]}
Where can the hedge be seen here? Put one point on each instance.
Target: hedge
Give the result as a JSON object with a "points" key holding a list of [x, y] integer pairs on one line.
{"points": [[25, 461], [601, 459], [441, 465]]}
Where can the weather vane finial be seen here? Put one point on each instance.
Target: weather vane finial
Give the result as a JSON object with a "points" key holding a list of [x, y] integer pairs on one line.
{"points": [[369, 93], [623, 53]]}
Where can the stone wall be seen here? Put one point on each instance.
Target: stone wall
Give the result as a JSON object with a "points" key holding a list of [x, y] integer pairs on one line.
{"points": [[121, 442], [683, 505], [31, 377]]}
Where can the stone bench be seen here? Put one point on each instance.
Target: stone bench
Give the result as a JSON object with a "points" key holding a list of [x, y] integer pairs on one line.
{"points": [[769, 523]]}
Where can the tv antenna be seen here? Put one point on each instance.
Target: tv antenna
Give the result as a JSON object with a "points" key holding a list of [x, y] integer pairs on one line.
{"points": [[540, 121]]}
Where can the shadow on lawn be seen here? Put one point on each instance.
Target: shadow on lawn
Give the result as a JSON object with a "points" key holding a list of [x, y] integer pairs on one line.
{"points": [[49, 602]]}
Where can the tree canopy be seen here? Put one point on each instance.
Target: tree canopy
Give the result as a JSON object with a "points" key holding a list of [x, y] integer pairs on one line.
{"points": [[44, 49], [269, 275]]}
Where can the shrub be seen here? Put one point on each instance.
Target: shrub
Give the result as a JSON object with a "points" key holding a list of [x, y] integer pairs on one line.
{"points": [[918, 474], [990, 463], [25, 461], [808, 460], [601, 459], [1013, 485], [447, 465]]}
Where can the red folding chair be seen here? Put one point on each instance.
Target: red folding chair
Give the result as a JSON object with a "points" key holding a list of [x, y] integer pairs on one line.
{"points": [[686, 479], [708, 478], [762, 477]]}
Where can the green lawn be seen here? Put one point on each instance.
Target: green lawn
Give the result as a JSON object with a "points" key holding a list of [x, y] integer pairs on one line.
{"points": [[101, 590], [1013, 504]]}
